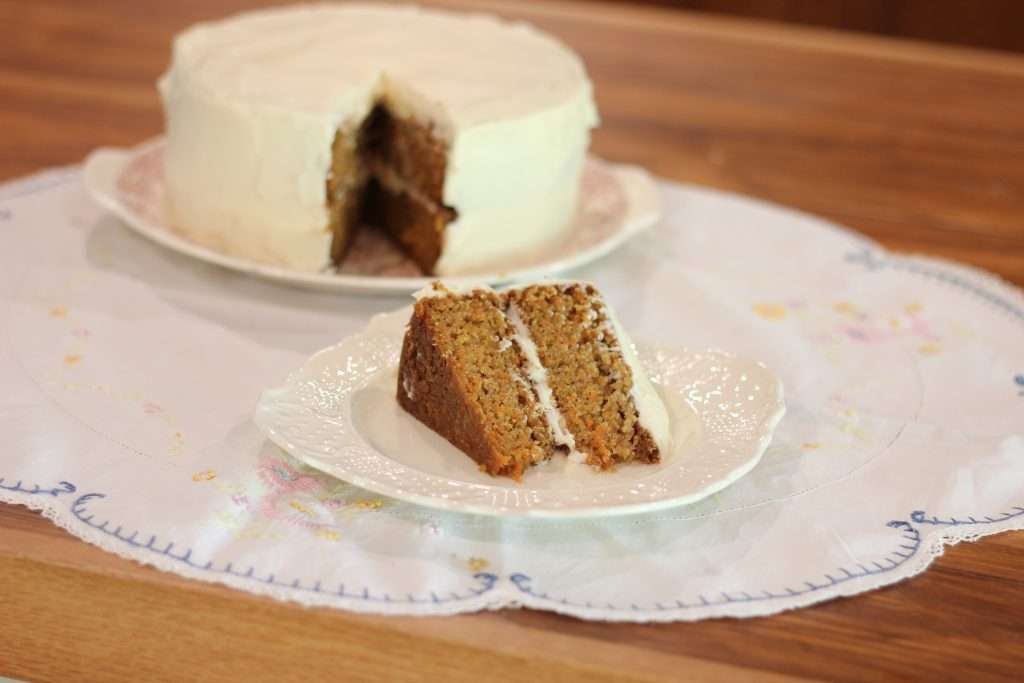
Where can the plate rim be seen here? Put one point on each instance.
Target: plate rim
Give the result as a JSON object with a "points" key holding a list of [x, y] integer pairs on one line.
{"points": [[104, 165], [265, 401]]}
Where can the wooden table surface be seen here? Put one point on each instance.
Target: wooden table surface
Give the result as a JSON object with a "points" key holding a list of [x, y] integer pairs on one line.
{"points": [[920, 147]]}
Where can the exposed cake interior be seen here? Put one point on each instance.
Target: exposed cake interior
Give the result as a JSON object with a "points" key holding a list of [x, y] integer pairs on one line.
{"points": [[536, 369], [388, 172]]}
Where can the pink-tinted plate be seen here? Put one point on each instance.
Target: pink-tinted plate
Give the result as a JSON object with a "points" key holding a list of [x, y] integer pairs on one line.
{"points": [[616, 203]]}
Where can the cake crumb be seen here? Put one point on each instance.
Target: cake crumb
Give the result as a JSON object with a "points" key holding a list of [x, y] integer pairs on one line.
{"points": [[577, 458]]}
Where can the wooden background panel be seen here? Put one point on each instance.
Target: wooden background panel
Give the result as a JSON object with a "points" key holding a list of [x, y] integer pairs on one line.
{"points": [[997, 24]]}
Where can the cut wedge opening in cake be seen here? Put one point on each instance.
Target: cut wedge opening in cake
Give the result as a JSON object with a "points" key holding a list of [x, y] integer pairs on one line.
{"points": [[513, 378], [388, 174]]}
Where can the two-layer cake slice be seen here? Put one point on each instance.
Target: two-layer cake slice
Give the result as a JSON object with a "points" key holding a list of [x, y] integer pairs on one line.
{"points": [[512, 378]]}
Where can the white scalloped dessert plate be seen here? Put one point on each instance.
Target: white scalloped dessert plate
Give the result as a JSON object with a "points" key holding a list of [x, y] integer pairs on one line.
{"points": [[338, 413], [616, 203]]}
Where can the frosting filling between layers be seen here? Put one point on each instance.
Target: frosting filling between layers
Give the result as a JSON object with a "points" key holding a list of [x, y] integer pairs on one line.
{"points": [[538, 375]]}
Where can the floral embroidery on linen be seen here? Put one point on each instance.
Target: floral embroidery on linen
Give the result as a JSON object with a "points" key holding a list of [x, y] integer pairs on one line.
{"points": [[288, 494], [849, 322]]}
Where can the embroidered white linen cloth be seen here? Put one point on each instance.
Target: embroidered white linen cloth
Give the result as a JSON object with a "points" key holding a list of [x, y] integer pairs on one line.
{"points": [[130, 374]]}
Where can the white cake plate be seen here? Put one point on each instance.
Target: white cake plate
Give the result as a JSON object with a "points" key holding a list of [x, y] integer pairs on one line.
{"points": [[338, 413], [616, 203]]}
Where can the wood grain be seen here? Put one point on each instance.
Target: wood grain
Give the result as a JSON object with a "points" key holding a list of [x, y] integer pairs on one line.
{"points": [[997, 24], [919, 146]]}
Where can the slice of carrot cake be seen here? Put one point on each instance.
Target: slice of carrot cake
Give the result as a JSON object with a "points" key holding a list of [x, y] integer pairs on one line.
{"points": [[513, 377]]}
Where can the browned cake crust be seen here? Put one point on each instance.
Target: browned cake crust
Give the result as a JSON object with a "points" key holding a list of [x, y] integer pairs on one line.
{"points": [[459, 375], [589, 378]]}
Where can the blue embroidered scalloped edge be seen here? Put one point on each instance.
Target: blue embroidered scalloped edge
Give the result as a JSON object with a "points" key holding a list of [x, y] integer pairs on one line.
{"points": [[37, 183], [36, 490], [874, 261], [911, 544], [79, 509], [908, 547]]}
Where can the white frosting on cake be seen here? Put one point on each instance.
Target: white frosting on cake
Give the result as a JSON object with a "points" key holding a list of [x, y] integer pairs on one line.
{"points": [[653, 414], [253, 103], [442, 289]]}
